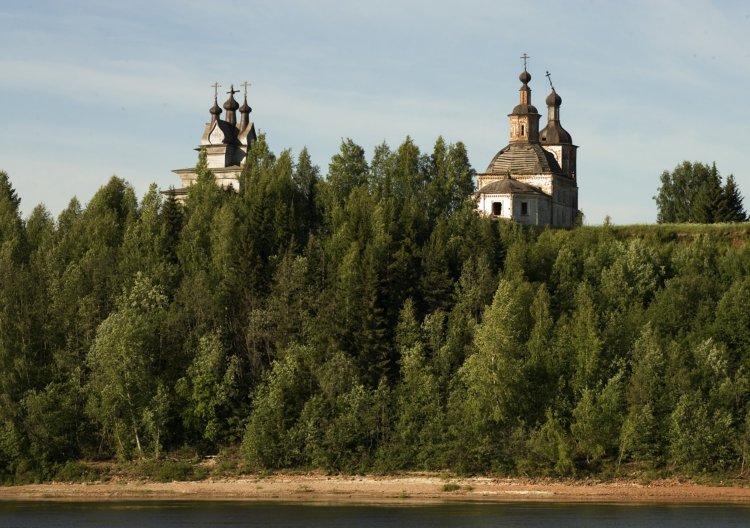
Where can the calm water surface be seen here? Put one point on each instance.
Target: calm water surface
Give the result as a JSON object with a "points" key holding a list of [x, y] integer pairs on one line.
{"points": [[254, 514]]}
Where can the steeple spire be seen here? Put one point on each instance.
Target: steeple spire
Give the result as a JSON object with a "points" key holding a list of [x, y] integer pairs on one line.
{"points": [[525, 77], [244, 110], [524, 120], [215, 110], [553, 102]]}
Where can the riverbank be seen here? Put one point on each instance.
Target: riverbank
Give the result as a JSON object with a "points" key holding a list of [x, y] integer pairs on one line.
{"points": [[390, 489]]}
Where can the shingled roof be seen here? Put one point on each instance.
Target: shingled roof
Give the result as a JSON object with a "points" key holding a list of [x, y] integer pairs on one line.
{"points": [[523, 158], [509, 186]]}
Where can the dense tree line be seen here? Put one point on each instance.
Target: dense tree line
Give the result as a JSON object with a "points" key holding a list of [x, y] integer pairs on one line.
{"points": [[694, 192], [368, 321]]}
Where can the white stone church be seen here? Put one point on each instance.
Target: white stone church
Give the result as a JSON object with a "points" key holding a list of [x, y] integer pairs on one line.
{"points": [[533, 179]]}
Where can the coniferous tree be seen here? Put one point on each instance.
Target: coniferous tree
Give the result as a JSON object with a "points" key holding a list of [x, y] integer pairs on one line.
{"points": [[734, 208], [306, 179], [16, 364], [709, 203], [348, 169]]}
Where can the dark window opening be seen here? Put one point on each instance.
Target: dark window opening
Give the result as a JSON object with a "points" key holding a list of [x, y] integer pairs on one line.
{"points": [[497, 208], [522, 130], [524, 208]]}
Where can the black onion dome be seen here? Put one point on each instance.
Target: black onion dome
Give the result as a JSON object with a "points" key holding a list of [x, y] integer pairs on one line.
{"points": [[215, 110], [555, 134], [553, 99], [525, 77], [230, 104], [245, 109]]}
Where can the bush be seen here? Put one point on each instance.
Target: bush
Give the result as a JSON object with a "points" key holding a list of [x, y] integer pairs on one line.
{"points": [[171, 470], [73, 471]]}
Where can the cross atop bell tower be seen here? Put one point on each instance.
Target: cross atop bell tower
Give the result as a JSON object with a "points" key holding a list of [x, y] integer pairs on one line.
{"points": [[524, 120]]}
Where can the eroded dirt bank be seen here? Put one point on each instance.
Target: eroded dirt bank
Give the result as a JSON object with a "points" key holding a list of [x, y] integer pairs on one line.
{"points": [[377, 489]]}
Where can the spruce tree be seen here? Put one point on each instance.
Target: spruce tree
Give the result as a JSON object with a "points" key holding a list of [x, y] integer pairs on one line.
{"points": [[734, 209], [708, 204], [348, 169]]}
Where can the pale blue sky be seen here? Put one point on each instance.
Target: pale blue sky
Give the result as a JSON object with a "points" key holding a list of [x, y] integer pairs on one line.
{"points": [[90, 89]]}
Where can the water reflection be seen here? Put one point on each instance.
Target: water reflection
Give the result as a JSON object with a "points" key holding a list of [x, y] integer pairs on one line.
{"points": [[154, 514]]}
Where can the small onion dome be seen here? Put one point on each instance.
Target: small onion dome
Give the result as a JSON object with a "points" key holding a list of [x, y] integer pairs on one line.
{"points": [[215, 110], [245, 109], [553, 99], [230, 105], [525, 77]]}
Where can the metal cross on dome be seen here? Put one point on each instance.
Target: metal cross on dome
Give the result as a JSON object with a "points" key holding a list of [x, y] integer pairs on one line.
{"points": [[549, 78], [525, 58], [232, 91], [216, 87], [245, 85]]}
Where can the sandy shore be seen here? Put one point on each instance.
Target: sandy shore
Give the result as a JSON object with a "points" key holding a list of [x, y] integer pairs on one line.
{"points": [[393, 489]]}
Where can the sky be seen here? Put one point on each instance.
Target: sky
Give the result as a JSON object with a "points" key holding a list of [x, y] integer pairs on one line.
{"points": [[91, 89]]}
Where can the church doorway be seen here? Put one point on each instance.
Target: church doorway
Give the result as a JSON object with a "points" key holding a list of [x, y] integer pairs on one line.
{"points": [[497, 208]]}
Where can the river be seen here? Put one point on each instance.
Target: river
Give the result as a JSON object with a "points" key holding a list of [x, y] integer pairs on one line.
{"points": [[153, 514]]}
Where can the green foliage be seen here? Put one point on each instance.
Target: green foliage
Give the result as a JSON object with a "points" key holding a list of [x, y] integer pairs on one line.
{"points": [[125, 396], [550, 448], [417, 438], [700, 439], [170, 470], [73, 471], [210, 389], [643, 431], [597, 419], [734, 210], [370, 320], [693, 192]]}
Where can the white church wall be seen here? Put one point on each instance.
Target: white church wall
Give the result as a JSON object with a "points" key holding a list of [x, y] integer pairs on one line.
{"points": [[556, 151], [535, 212], [487, 201], [540, 181]]}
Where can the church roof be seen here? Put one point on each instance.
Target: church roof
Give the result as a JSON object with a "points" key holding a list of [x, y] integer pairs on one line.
{"points": [[523, 109], [509, 186], [523, 158], [554, 134]]}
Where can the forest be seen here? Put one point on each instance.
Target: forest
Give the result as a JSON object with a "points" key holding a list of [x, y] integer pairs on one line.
{"points": [[365, 321]]}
